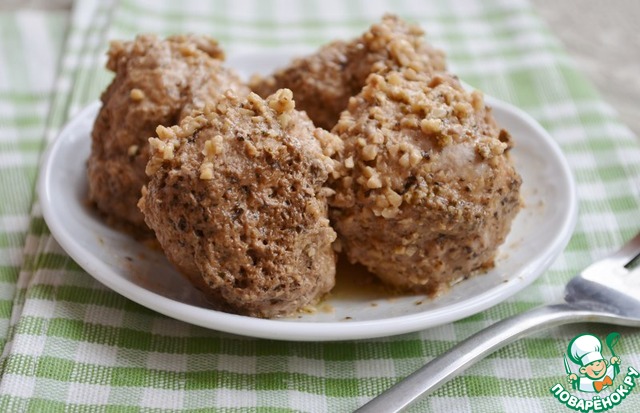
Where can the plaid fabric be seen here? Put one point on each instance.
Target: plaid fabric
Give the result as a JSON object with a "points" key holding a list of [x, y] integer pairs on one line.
{"points": [[72, 344], [30, 46]]}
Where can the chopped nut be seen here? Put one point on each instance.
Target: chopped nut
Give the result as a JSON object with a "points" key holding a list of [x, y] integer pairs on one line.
{"points": [[377, 137], [190, 124], [311, 209], [368, 172], [246, 112], [222, 107], [394, 199], [344, 124], [348, 163], [213, 146], [462, 110], [381, 202], [438, 112], [444, 140], [206, 171], [403, 52], [136, 95], [410, 74], [400, 250], [250, 149], [477, 101], [374, 182], [414, 157], [161, 150], [257, 103], [282, 101], [404, 160], [330, 143], [188, 50], [429, 126], [165, 133], [133, 150], [369, 152], [395, 79], [284, 120], [389, 212], [490, 148], [326, 192], [410, 122]]}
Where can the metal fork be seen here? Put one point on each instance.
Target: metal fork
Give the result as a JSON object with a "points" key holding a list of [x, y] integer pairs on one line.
{"points": [[607, 291]]}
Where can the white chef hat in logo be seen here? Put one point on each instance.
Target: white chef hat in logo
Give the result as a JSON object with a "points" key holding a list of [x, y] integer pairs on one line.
{"points": [[585, 349]]}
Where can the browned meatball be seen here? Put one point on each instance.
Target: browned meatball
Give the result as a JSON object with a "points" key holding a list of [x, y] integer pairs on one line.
{"points": [[426, 190], [237, 202], [157, 82], [322, 83]]}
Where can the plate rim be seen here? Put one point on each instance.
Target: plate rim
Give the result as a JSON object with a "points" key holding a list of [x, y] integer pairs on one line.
{"points": [[308, 330]]}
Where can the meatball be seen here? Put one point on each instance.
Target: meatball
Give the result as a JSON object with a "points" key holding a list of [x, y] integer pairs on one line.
{"points": [[236, 200], [425, 188], [157, 82], [323, 82]]}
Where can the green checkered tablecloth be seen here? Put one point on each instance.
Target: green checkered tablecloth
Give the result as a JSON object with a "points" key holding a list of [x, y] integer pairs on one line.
{"points": [[70, 344]]}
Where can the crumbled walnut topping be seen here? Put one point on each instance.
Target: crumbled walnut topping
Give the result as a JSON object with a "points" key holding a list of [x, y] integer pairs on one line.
{"points": [[429, 126], [161, 148], [133, 150], [136, 95], [165, 133], [206, 171], [490, 148], [438, 112], [374, 182], [404, 160], [348, 163], [394, 125], [284, 120], [190, 124], [369, 152], [250, 149], [213, 146], [394, 199], [330, 143], [282, 101], [188, 50]]}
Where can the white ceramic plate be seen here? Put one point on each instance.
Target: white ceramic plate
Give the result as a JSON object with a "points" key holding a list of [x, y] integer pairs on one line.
{"points": [[539, 233]]}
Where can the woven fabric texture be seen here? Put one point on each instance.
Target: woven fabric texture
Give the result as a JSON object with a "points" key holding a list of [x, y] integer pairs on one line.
{"points": [[70, 344]]}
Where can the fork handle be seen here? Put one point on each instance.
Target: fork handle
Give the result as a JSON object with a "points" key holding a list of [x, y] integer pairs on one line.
{"points": [[459, 358]]}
